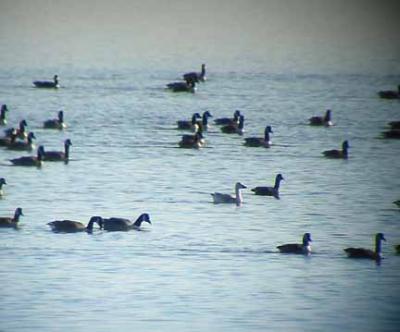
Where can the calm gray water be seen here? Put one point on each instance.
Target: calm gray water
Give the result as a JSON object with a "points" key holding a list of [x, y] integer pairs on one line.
{"points": [[201, 266]]}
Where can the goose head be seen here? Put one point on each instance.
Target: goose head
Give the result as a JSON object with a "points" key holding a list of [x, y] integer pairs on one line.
{"points": [[240, 185], [306, 239], [60, 116], [18, 212], [345, 145]]}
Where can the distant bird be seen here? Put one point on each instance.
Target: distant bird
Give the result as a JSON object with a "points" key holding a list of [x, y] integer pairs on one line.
{"points": [[260, 141], [228, 121], [203, 124], [20, 132], [121, 224], [6, 140], [269, 191], [296, 248], [3, 115], [30, 160], [189, 125], [48, 84], [234, 128], [55, 123], [186, 86], [27, 145], [322, 120], [226, 198], [195, 141], [11, 222], [58, 155], [397, 203], [2, 182], [367, 253], [394, 124], [390, 94], [392, 134], [196, 77], [70, 226], [397, 248], [338, 154]]}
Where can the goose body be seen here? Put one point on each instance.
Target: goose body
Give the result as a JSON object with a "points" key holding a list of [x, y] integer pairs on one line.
{"points": [[2, 182], [11, 222], [187, 86], [20, 132], [392, 134], [228, 121], [338, 154], [196, 77], [48, 84], [394, 124], [30, 160], [3, 115], [260, 141], [303, 248], [219, 198], [121, 224], [367, 253], [71, 226], [7, 140], [322, 120], [234, 128], [189, 124], [58, 155], [269, 191], [397, 248], [55, 123], [192, 141], [27, 145], [390, 94]]}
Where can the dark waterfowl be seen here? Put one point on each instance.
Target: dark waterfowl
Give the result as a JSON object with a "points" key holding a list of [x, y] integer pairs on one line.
{"points": [[11, 222], [322, 120], [367, 253], [390, 94], [27, 145], [71, 226], [397, 203], [296, 248], [186, 86], [394, 124], [260, 141], [219, 198], [196, 77], [20, 132], [2, 182], [55, 123], [203, 124], [30, 160], [392, 134], [228, 121], [338, 154], [58, 155], [48, 84], [189, 125], [3, 115], [397, 248], [269, 191], [121, 224], [7, 140], [234, 128], [195, 141]]}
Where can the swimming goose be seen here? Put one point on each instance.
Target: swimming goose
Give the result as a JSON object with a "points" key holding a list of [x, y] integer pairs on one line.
{"points": [[27, 145], [367, 253], [196, 77], [187, 86], [260, 141], [3, 116], [226, 198], [70, 226], [297, 248], [234, 128], [392, 133], [6, 140], [338, 154], [390, 94], [58, 155], [269, 191], [48, 84], [121, 224], [204, 120], [322, 120], [2, 182], [228, 121], [192, 141], [55, 123], [189, 125], [11, 221], [30, 160], [20, 133], [397, 202], [397, 248]]}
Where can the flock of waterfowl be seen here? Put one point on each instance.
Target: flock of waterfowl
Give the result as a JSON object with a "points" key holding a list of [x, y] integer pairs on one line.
{"points": [[21, 140]]}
